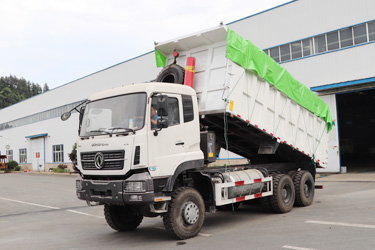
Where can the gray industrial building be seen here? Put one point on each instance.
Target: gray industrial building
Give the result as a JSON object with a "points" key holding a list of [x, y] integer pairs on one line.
{"points": [[328, 45]]}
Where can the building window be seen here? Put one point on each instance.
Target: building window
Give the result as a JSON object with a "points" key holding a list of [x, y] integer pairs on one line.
{"points": [[346, 37], [360, 34], [23, 155], [306, 45], [49, 114], [333, 40], [296, 50], [10, 155], [320, 44], [274, 53], [58, 153], [371, 31], [285, 52]]}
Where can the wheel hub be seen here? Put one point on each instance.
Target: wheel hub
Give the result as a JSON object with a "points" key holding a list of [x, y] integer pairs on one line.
{"points": [[306, 189], [286, 194], [191, 213]]}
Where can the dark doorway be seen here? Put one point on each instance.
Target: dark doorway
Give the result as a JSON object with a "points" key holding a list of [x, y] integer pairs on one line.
{"points": [[356, 117]]}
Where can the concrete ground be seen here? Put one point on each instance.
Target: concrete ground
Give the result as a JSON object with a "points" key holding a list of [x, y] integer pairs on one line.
{"points": [[347, 177], [356, 172], [41, 211]]}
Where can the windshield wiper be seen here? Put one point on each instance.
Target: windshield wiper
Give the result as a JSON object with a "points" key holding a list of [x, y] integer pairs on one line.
{"points": [[126, 129], [103, 130], [107, 130]]}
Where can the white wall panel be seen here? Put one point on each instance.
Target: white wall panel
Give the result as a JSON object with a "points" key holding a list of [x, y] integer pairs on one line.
{"points": [[302, 19], [59, 132], [334, 67]]}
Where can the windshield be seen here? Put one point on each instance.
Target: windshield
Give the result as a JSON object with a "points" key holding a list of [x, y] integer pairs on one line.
{"points": [[114, 115]]}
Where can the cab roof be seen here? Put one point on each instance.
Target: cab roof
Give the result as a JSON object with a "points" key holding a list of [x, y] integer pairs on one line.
{"points": [[151, 87]]}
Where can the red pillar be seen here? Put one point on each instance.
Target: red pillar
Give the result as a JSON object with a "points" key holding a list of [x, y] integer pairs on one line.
{"points": [[190, 71]]}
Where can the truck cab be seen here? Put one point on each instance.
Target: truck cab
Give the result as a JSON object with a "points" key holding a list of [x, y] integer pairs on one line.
{"points": [[118, 140]]}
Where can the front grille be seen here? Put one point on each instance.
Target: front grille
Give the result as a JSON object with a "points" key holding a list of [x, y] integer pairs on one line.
{"points": [[113, 160]]}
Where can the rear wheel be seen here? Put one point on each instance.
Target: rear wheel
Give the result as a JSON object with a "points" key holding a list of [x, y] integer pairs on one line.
{"points": [[122, 218], [185, 215], [292, 174], [283, 197], [305, 188], [265, 202]]}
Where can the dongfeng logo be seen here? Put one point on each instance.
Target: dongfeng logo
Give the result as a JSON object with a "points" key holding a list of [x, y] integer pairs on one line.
{"points": [[99, 144], [99, 160]]}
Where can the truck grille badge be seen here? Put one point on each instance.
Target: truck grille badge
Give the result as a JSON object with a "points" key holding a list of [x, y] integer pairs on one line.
{"points": [[99, 160]]}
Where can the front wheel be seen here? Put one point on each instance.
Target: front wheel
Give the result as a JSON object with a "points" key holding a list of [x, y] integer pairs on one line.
{"points": [[122, 218], [185, 215]]}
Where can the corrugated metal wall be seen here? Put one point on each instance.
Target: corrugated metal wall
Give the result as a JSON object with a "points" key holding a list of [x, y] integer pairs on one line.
{"points": [[305, 18]]}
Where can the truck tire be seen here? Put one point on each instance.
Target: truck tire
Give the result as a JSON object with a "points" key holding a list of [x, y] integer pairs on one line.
{"points": [[185, 215], [172, 74], [305, 188], [265, 202], [122, 218], [292, 174], [283, 197]]}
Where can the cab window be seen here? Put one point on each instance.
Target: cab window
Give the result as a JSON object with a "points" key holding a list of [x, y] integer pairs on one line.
{"points": [[173, 111]]}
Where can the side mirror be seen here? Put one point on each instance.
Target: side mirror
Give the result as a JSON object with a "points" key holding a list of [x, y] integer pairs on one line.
{"points": [[162, 123], [65, 116], [162, 102], [81, 112]]}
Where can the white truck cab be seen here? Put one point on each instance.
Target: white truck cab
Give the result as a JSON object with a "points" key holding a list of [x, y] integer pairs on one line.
{"points": [[121, 118], [117, 138]]}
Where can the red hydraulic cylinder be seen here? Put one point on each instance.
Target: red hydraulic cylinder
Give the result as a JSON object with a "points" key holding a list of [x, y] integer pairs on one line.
{"points": [[189, 72]]}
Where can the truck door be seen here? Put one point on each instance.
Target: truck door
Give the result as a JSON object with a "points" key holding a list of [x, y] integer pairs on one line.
{"points": [[167, 148]]}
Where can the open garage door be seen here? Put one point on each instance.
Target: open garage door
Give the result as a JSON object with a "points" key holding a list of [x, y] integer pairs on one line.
{"points": [[356, 118]]}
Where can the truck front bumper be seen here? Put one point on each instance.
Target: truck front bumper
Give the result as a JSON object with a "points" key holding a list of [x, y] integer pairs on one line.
{"points": [[114, 191]]}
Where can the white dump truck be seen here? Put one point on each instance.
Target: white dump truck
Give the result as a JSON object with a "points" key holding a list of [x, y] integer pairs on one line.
{"points": [[149, 149]]}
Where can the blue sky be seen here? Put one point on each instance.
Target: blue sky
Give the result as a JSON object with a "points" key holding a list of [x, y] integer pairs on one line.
{"points": [[58, 41]]}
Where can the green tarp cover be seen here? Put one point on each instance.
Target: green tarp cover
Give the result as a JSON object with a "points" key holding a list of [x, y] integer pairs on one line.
{"points": [[250, 57], [160, 59]]}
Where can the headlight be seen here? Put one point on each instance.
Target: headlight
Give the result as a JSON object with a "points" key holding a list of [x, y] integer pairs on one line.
{"points": [[135, 186]]}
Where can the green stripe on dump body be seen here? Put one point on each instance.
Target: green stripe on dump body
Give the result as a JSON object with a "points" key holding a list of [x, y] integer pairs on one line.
{"points": [[250, 57], [160, 59]]}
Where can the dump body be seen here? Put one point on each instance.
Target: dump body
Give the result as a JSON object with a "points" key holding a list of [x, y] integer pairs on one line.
{"points": [[255, 116]]}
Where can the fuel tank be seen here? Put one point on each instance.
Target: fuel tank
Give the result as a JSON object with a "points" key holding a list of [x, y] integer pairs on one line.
{"points": [[239, 189]]}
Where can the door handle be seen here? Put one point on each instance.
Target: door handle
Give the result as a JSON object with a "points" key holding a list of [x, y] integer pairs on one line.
{"points": [[179, 143]]}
